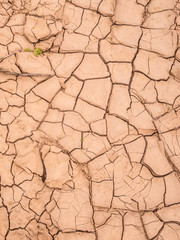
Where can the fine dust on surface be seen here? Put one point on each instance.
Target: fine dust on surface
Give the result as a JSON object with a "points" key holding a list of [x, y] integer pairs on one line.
{"points": [[90, 130]]}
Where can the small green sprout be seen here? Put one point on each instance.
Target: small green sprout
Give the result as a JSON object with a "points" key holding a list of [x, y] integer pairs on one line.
{"points": [[37, 52], [27, 50]]}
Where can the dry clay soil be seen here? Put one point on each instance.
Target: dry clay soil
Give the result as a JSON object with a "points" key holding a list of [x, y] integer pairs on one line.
{"points": [[90, 129]]}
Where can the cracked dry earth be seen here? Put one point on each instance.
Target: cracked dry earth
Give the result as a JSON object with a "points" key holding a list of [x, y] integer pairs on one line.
{"points": [[90, 130]]}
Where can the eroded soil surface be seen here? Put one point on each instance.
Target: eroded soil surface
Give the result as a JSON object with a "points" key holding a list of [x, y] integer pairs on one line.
{"points": [[90, 129]]}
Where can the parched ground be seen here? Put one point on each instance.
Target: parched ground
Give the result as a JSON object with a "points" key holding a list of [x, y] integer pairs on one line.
{"points": [[90, 129]]}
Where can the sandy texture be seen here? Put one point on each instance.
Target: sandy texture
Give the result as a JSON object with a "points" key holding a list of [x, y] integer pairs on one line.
{"points": [[90, 129]]}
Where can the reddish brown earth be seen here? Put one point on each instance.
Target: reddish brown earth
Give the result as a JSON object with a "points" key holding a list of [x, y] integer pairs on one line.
{"points": [[90, 129]]}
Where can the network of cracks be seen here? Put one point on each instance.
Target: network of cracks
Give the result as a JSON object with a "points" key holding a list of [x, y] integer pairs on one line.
{"points": [[90, 129]]}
